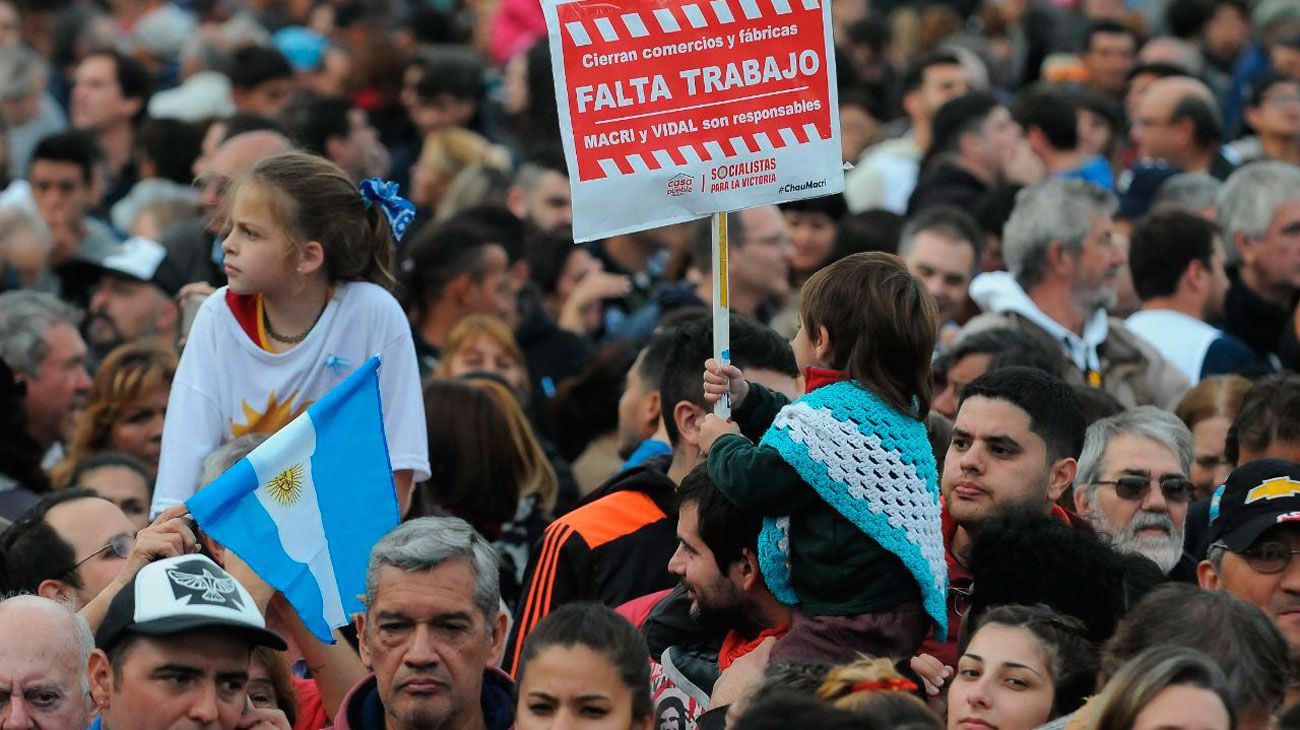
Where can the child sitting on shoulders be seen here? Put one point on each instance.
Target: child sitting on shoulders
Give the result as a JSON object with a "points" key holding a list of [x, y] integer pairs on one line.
{"points": [[844, 475]]}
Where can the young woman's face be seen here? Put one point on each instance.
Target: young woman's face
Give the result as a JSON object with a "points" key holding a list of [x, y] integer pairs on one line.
{"points": [[138, 428], [574, 687], [1183, 707], [486, 355], [1003, 682]]}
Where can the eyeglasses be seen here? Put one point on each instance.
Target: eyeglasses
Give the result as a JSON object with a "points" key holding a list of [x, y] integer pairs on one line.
{"points": [[120, 545], [1270, 556], [1134, 488], [202, 182], [961, 599]]}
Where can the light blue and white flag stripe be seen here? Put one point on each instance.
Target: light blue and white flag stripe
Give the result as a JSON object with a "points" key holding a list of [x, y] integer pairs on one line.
{"points": [[305, 507]]}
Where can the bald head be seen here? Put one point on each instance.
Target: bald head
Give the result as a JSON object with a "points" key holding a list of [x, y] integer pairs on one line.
{"points": [[235, 157], [1178, 119], [44, 652], [1172, 51]]}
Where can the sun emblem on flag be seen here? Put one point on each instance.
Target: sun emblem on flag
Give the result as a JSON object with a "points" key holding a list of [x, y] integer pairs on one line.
{"points": [[286, 486]]}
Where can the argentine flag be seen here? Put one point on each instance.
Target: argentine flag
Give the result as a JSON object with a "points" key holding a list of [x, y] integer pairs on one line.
{"points": [[305, 507]]}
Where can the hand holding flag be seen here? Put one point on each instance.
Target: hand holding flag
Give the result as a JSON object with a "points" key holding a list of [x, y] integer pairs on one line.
{"points": [[305, 507]]}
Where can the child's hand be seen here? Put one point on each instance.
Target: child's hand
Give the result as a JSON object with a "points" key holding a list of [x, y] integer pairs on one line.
{"points": [[712, 428], [721, 379]]}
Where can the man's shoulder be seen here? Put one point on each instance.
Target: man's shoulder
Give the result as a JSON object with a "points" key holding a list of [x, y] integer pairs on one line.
{"points": [[629, 502]]}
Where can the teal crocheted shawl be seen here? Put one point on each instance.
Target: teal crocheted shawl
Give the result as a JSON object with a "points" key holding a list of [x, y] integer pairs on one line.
{"points": [[874, 465]]}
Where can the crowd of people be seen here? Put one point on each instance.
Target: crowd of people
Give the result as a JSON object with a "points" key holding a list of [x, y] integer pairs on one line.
{"points": [[1015, 427]]}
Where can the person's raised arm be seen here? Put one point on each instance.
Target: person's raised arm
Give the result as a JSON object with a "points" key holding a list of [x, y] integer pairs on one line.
{"points": [[167, 537]]}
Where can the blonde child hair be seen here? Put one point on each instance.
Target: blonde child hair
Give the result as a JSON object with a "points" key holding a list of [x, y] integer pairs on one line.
{"points": [[874, 688]]}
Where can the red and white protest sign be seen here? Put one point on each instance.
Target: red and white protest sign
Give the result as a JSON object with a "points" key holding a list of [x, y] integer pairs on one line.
{"points": [[674, 109]]}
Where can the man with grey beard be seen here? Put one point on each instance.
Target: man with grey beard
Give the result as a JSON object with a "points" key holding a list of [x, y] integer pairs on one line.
{"points": [[1133, 486], [1065, 264]]}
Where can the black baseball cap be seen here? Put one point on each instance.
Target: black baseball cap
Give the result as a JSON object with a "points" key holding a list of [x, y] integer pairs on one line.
{"points": [[1257, 495], [182, 594]]}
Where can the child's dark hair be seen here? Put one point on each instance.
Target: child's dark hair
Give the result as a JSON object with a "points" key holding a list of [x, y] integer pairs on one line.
{"points": [[1071, 657], [603, 631], [316, 201], [881, 326]]}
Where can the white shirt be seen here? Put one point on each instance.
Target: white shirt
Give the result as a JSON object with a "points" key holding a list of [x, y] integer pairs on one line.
{"points": [[228, 386], [1182, 340]]}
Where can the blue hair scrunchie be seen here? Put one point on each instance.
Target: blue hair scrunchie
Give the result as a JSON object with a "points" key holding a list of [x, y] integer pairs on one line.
{"points": [[399, 211]]}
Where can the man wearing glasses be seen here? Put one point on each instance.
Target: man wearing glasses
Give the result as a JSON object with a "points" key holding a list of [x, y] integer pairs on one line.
{"points": [[1133, 486], [1254, 539], [70, 546]]}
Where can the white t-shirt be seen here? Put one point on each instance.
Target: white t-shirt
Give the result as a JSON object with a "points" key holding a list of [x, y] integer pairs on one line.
{"points": [[228, 386]]}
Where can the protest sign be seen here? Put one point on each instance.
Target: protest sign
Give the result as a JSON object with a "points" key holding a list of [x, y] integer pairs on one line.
{"points": [[671, 110]]}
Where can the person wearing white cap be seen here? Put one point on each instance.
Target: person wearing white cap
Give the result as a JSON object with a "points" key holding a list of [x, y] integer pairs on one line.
{"points": [[173, 650]]}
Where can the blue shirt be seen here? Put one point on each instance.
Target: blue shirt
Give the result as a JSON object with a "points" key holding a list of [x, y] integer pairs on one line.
{"points": [[648, 449], [1095, 170]]}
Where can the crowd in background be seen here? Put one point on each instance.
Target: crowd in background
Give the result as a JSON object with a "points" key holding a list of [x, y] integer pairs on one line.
{"points": [[1016, 439]]}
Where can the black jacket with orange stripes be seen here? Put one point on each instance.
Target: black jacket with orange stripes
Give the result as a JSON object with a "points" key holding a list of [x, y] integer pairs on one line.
{"points": [[614, 547]]}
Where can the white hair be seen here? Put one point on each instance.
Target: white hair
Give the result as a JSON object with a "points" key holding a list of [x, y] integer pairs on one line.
{"points": [[1055, 210], [1249, 199], [25, 316], [426, 543]]}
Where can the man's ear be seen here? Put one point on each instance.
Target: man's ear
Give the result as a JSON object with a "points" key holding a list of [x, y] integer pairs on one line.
{"points": [[100, 673], [688, 417], [362, 646], [459, 289], [1081, 500], [651, 411], [912, 103], [745, 572], [55, 590], [168, 315], [1194, 276], [1245, 248], [1061, 477], [1057, 259], [1207, 577], [499, 628], [516, 201], [133, 106]]}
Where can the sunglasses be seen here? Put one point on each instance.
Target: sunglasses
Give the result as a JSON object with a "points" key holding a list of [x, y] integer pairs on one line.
{"points": [[120, 545], [1268, 557], [1135, 488]]}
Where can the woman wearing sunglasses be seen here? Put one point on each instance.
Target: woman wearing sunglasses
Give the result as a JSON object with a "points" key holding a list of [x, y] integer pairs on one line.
{"points": [[1133, 484]]}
